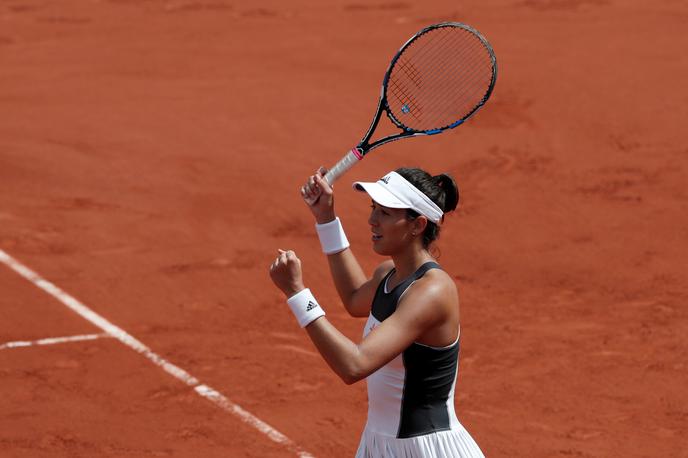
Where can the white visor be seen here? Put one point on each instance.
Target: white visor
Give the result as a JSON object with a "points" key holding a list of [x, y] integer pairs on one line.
{"points": [[394, 191]]}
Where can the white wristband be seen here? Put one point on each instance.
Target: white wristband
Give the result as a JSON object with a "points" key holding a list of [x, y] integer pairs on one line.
{"points": [[305, 308], [332, 236]]}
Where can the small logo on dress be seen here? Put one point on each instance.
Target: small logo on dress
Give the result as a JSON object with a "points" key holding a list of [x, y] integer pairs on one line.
{"points": [[385, 180], [311, 306]]}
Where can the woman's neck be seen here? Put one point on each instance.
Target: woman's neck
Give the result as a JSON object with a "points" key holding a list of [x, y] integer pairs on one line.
{"points": [[408, 262]]}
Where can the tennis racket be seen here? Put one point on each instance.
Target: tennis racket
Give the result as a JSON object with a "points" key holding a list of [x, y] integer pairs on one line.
{"points": [[435, 82]]}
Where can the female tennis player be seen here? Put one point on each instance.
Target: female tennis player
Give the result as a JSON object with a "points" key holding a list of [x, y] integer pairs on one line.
{"points": [[410, 346]]}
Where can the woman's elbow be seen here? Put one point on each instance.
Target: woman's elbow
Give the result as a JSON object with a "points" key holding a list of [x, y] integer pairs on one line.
{"points": [[352, 375], [350, 379], [353, 367], [349, 307]]}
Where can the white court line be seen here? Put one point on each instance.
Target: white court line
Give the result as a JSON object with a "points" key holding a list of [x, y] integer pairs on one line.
{"points": [[130, 341], [52, 341]]}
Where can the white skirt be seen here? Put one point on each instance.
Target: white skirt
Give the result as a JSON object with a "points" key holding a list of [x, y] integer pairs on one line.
{"points": [[456, 443]]}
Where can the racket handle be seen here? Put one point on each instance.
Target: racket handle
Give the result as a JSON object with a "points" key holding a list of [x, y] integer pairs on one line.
{"points": [[348, 161]]}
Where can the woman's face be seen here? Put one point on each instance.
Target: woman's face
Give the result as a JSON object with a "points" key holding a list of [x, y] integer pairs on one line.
{"points": [[391, 229]]}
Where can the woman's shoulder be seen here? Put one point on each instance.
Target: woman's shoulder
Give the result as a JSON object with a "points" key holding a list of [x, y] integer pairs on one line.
{"points": [[437, 280], [430, 301], [435, 286], [439, 275]]}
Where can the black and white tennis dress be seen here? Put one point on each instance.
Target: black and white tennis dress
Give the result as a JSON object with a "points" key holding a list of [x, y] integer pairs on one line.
{"points": [[411, 398]]}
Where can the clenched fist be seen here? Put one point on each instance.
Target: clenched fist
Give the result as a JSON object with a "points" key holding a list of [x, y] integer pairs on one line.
{"points": [[285, 272]]}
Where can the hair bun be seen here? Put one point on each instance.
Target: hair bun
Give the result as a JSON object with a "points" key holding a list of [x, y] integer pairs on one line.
{"points": [[451, 191]]}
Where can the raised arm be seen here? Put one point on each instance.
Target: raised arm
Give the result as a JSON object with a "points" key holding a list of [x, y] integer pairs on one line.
{"points": [[422, 309], [355, 289]]}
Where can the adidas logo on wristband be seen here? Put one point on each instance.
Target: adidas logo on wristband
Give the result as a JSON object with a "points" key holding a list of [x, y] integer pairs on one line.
{"points": [[311, 306], [305, 307]]}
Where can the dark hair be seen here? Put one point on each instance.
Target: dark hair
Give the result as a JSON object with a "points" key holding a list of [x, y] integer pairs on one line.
{"points": [[441, 189]]}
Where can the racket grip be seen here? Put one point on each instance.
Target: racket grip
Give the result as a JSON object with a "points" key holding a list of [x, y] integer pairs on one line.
{"points": [[348, 161]]}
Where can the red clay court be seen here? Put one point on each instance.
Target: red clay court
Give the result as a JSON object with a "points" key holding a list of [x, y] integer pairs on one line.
{"points": [[150, 158]]}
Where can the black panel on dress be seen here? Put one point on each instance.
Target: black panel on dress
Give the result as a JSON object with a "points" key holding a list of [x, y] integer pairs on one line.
{"points": [[430, 374]]}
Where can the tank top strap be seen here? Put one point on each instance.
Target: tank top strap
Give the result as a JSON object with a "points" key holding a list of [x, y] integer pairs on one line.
{"points": [[424, 268], [380, 291], [385, 302]]}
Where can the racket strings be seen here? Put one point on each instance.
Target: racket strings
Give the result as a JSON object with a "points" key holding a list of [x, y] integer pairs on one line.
{"points": [[477, 78], [467, 78], [451, 101], [411, 106], [420, 57], [436, 93], [440, 78], [413, 74], [474, 86], [442, 61], [410, 71], [403, 92]]}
